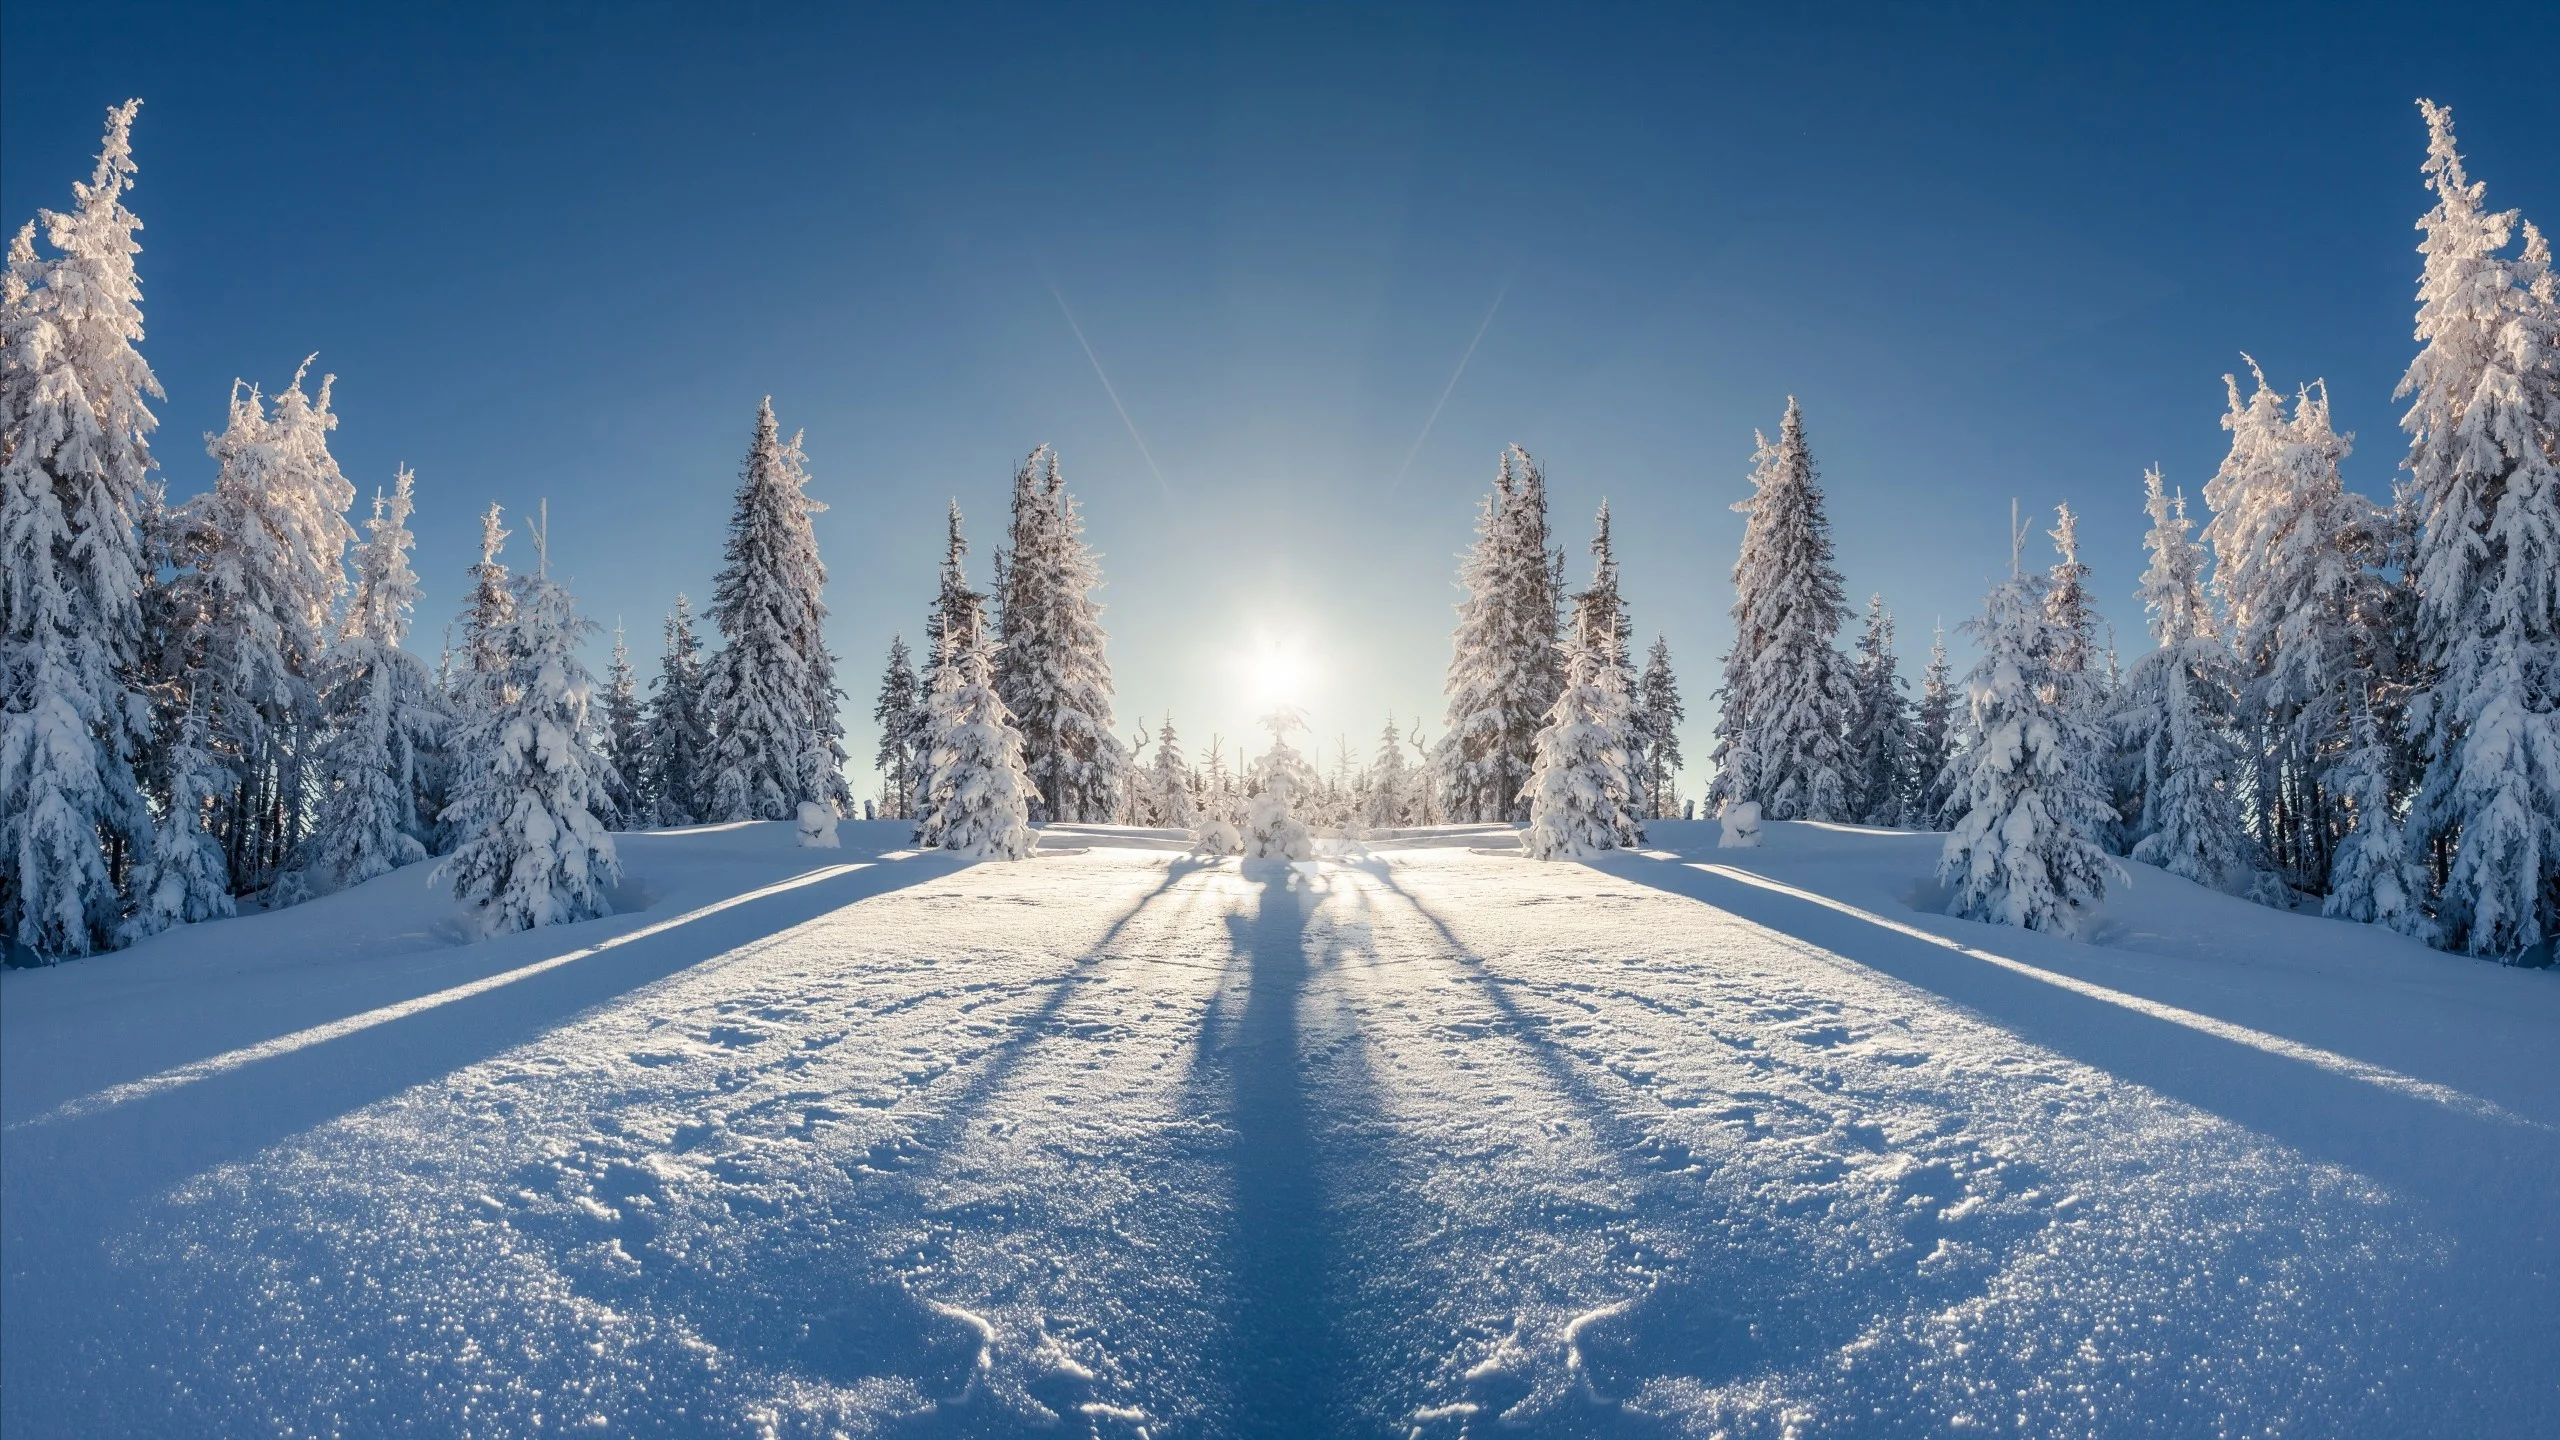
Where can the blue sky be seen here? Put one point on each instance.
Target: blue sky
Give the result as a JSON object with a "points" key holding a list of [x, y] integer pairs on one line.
{"points": [[559, 252]]}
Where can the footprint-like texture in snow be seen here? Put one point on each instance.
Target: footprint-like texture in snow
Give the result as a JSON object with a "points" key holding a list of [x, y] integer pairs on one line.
{"points": [[1437, 1144]]}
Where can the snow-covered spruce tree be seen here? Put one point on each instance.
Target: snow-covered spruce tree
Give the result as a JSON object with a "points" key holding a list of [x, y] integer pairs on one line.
{"points": [[383, 713], [2377, 876], [76, 494], [2026, 851], [472, 688], [625, 742], [1581, 799], [184, 879], [1472, 756], [1166, 786], [2484, 494], [1788, 691], [956, 610], [261, 565], [1282, 781], [1603, 609], [533, 808], [900, 717], [1339, 805], [2074, 613], [1658, 714], [1217, 827], [2298, 568], [679, 735], [2085, 670], [980, 800], [770, 692], [1388, 800], [1928, 786], [2172, 719], [1504, 668], [1050, 665], [1879, 739], [490, 607]]}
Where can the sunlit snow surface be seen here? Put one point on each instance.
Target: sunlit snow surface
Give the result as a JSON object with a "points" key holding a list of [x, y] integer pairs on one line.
{"points": [[1428, 1140]]}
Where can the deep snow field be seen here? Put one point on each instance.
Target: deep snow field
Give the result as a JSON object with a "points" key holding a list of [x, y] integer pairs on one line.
{"points": [[1422, 1140]]}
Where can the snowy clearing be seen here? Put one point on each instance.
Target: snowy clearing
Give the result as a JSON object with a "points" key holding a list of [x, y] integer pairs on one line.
{"points": [[1428, 1140]]}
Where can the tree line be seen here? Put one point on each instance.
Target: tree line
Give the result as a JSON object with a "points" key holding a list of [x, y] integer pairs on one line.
{"points": [[210, 704], [2350, 706]]}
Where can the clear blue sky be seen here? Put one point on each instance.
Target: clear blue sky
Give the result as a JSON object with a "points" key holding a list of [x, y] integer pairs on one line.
{"points": [[560, 251]]}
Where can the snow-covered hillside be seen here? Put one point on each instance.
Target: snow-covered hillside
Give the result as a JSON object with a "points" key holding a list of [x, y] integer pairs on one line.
{"points": [[1422, 1139]]}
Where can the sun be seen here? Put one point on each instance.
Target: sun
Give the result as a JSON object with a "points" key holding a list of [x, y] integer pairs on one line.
{"points": [[1276, 671]]}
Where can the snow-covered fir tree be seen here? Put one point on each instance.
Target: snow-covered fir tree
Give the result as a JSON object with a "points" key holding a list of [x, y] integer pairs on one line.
{"points": [[1387, 800], [472, 686], [2173, 717], [1929, 784], [1165, 789], [1788, 692], [2026, 851], [770, 692], [679, 768], [1338, 804], [2377, 876], [899, 712], [1603, 607], [1282, 781], [1658, 713], [1050, 665], [533, 808], [2484, 495], [184, 878], [261, 563], [625, 742], [2074, 613], [1879, 738], [384, 714], [490, 606], [2298, 567], [76, 493], [956, 610], [979, 803], [2084, 667], [1504, 668], [1221, 789], [1581, 799], [1600, 610], [1217, 826]]}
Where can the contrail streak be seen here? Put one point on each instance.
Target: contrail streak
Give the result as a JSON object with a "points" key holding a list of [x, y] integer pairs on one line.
{"points": [[1445, 390], [1060, 296]]}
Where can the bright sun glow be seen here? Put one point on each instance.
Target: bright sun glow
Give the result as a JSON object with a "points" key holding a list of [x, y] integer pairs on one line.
{"points": [[1276, 670]]}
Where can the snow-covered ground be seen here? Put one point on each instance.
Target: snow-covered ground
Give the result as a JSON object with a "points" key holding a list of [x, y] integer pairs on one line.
{"points": [[1428, 1140]]}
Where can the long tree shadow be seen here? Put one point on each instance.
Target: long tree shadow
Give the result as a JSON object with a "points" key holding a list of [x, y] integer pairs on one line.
{"points": [[77, 1187], [816, 1304], [859, 1323], [162, 1136], [2448, 1153], [1287, 1356], [2479, 1179], [1719, 1317]]}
